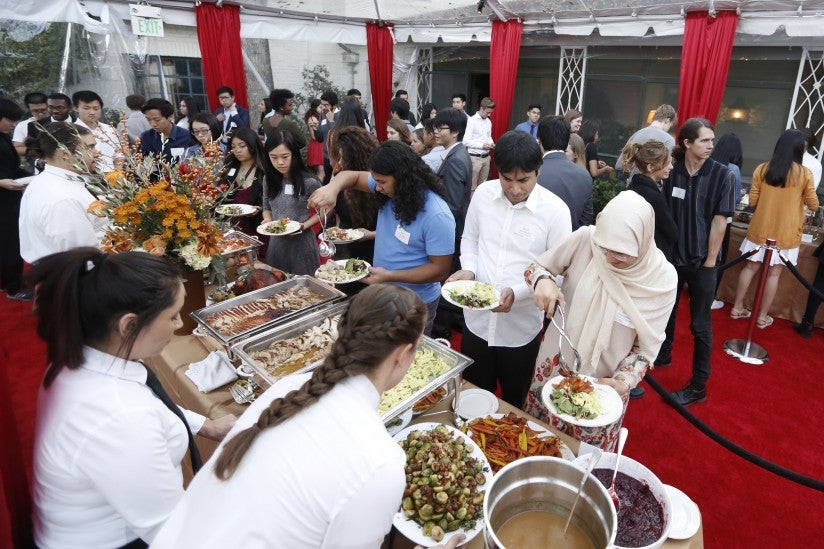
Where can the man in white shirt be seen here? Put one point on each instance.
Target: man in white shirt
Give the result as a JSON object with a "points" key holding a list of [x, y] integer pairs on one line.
{"points": [[36, 104], [809, 161], [53, 213], [459, 102], [89, 107], [529, 219], [478, 141]]}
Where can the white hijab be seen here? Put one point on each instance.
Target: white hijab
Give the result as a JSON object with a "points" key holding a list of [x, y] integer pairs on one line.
{"points": [[645, 291]]}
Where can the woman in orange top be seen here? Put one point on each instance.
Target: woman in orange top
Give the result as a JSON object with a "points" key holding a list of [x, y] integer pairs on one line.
{"points": [[780, 188]]}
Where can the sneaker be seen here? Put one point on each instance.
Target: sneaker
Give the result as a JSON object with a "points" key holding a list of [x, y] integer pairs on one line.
{"points": [[664, 358], [717, 304], [689, 395], [804, 329], [636, 393], [22, 295]]}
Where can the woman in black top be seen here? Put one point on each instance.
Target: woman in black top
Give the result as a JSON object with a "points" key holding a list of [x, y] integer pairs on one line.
{"points": [[652, 161], [596, 166]]}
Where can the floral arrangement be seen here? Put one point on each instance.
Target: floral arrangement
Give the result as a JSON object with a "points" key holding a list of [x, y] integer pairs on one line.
{"points": [[165, 210]]}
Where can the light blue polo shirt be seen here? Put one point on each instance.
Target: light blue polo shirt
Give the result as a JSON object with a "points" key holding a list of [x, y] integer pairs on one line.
{"points": [[400, 246]]}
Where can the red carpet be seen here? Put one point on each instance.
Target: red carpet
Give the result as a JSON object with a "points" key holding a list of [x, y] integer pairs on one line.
{"points": [[774, 411]]}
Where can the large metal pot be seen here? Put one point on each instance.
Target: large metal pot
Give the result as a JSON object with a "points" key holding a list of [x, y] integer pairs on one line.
{"points": [[549, 484]]}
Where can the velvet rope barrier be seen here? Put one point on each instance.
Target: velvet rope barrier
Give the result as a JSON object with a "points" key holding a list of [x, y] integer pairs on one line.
{"points": [[813, 290], [755, 459]]}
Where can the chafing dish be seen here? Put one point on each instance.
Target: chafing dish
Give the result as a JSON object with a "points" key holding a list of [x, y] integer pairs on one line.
{"points": [[329, 294]]}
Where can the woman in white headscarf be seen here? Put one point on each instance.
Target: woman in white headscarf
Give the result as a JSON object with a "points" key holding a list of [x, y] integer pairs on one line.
{"points": [[619, 290]]}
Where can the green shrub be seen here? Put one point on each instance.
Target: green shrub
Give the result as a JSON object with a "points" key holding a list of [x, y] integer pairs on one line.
{"points": [[604, 190]]}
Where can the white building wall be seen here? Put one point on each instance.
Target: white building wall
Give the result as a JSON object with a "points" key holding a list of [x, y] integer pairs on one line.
{"points": [[178, 42]]}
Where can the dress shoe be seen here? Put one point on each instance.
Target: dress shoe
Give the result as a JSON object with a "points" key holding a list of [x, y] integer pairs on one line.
{"points": [[22, 295], [689, 395], [636, 393], [804, 329], [664, 358]]}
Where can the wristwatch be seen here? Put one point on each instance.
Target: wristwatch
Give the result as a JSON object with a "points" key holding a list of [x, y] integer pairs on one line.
{"points": [[542, 277]]}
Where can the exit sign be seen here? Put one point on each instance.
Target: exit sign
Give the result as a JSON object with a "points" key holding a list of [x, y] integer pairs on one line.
{"points": [[146, 20]]}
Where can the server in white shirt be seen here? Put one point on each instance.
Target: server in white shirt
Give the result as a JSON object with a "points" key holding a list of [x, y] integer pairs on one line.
{"points": [[109, 441], [504, 341], [36, 104], [53, 212], [808, 160], [89, 107], [478, 141], [310, 464]]}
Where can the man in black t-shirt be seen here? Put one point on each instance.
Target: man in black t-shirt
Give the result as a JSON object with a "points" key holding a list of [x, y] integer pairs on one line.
{"points": [[699, 195]]}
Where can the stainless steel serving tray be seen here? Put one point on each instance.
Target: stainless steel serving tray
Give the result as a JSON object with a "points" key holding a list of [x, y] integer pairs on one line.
{"points": [[245, 348], [329, 293], [252, 243]]}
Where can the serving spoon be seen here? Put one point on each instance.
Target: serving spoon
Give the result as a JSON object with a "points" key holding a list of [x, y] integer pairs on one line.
{"points": [[594, 458], [622, 438], [325, 248]]}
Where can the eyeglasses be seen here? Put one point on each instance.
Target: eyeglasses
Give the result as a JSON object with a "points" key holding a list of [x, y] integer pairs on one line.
{"points": [[224, 97], [39, 111], [615, 255], [441, 129], [202, 132]]}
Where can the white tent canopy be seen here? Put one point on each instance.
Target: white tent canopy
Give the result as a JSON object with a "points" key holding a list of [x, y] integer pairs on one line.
{"points": [[431, 21]]}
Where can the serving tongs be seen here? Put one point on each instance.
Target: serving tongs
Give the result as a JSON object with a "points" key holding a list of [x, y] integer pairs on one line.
{"points": [[563, 367]]}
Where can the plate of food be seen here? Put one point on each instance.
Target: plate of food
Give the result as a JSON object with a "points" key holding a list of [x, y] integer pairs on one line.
{"points": [[471, 294], [282, 226], [338, 235], [505, 438], [424, 517], [579, 400], [235, 210], [343, 271]]}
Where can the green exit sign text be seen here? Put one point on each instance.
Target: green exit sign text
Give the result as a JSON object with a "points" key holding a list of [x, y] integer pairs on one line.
{"points": [[145, 26]]}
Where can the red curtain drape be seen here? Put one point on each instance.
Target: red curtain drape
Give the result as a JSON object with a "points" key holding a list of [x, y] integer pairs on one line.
{"points": [[504, 51], [379, 48], [705, 62], [218, 33]]}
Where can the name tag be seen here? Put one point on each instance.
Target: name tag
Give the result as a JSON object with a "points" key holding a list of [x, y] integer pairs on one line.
{"points": [[177, 151], [402, 235], [231, 172], [678, 192], [289, 189]]}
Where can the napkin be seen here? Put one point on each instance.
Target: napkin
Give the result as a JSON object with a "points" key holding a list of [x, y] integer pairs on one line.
{"points": [[212, 372]]}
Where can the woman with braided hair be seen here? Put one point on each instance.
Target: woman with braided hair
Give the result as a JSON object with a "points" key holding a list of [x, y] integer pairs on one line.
{"points": [[310, 464]]}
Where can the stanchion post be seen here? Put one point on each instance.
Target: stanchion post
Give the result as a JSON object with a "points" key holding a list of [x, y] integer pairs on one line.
{"points": [[744, 349]]}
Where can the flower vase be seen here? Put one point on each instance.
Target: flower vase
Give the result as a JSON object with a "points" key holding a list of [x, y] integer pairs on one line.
{"points": [[195, 297]]}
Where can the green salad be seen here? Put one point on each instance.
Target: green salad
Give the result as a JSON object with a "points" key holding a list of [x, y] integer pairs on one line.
{"points": [[579, 405], [355, 267], [475, 296]]}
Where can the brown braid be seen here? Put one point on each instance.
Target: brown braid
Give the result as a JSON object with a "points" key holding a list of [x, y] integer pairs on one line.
{"points": [[378, 320]]}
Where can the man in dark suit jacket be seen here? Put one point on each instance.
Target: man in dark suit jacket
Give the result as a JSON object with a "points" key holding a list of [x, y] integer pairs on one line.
{"points": [[456, 175], [230, 114], [569, 181]]}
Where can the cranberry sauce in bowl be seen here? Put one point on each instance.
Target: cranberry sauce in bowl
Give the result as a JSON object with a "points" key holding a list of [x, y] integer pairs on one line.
{"points": [[641, 515]]}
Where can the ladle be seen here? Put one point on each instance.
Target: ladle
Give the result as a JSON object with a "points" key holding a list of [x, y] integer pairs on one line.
{"points": [[325, 248], [594, 458], [622, 438]]}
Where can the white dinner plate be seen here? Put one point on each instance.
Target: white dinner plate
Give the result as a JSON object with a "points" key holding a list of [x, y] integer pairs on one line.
{"points": [[351, 235], [686, 518], [611, 404], [474, 403], [463, 285], [243, 209], [342, 262], [291, 227], [395, 426], [411, 529], [566, 452]]}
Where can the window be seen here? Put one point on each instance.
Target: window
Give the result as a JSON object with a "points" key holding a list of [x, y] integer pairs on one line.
{"points": [[180, 77]]}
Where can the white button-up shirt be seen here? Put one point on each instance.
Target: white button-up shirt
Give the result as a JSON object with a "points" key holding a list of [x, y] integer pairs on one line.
{"points": [[107, 456], [478, 132], [108, 143], [499, 242], [53, 216], [330, 476]]}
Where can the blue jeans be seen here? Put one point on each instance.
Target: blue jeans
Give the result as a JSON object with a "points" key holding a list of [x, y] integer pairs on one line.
{"points": [[700, 282], [431, 308]]}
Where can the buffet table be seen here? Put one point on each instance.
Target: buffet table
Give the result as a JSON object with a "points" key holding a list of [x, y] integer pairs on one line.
{"points": [[791, 297], [170, 366]]}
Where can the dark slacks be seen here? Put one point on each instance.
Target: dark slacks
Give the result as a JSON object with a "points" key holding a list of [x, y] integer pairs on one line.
{"points": [[700, 282], [511, 366], [813, 301]]}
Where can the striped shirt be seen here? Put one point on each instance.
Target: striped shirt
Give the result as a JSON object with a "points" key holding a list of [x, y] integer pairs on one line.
{"points": [[694, 201]]}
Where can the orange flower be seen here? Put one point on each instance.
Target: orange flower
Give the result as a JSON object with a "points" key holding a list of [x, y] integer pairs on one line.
{"points": [[209, 241], [114, 178], [155, 245], [116, 241], [97, 208]]}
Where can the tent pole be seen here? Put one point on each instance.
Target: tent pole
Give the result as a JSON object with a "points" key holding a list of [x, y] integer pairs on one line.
{"points": [[64, 63]]}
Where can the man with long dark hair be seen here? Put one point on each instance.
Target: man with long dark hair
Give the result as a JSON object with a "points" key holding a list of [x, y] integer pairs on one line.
{"points": [[699, 194]]}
